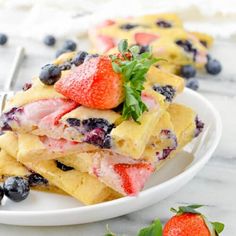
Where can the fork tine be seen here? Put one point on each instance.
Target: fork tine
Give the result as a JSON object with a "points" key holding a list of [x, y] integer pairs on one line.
{"points": [[3, 101], [9, 84]]}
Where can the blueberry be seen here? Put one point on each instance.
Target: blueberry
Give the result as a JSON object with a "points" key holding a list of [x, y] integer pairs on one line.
{"points": [[199, 126], [168, 91], [37, 179], [213, 67], [188, 47], [163, 24], [73, 121], [192, 84], [128, 26], [26, 86], [16, 188], [1, 194], [79, 58], [187, 71], [49, 40], [65, 66], [50, 74], [164, 154], [3, 39], [93, 123], [63, 167], [185, 44], [69, 45], [95, 137], [107, 142], [11, 115], [97, 132], [61, 51]]}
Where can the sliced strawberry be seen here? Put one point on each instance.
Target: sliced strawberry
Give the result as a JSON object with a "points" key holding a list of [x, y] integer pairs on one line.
{"points": [[58, 145], [106, 23], [105, 43], [93, 84], [133, 176], [145, 38], [53, 108]]}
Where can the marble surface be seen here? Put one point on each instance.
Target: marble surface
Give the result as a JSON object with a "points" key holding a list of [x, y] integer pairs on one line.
{"points": [[214, 186]]}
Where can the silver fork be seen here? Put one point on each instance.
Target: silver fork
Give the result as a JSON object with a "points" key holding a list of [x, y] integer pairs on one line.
{"points": [[11, 80]]}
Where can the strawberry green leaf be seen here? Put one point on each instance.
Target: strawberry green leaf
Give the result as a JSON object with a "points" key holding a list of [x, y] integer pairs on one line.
{"points": [[155, 229], [218, 227], [109, 233], [116, 67], [195, 206], [187, 209], [123, 46], [173, 210], [134, 50]]}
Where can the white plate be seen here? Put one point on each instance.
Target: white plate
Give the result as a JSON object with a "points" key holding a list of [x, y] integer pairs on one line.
{"points": [[52, 209]]}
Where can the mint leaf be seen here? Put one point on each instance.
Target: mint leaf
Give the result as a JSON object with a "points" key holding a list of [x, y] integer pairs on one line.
{"points": [[218, 227], [123, 46], [155, 229], [133, 67], [116, 67], [135, 49]]}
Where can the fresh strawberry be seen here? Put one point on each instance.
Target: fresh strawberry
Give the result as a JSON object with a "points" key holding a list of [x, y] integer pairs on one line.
{"points": [[93, 84], [133, 176], [105, 43], [145, 39], [189, 222]]}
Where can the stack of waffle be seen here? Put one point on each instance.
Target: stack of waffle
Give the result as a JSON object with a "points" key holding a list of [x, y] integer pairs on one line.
{"points": [[90, 154]]}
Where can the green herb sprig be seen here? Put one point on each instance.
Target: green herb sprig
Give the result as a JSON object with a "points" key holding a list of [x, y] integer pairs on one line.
{"points": [[133, 67]]}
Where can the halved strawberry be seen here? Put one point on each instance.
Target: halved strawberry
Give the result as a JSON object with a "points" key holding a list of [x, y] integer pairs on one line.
{"points": [[189, 222], [133, 176], [93, 84], [105, 43], [145, 38]]}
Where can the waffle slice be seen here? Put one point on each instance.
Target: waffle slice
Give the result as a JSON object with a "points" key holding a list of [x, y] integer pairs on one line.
{"points": [[164, 33], [9, 166], [61, 119], [73, 182], [103, 165]]}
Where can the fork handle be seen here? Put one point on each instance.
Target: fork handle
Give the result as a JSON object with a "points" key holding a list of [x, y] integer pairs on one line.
{"points": [[11, 80]]}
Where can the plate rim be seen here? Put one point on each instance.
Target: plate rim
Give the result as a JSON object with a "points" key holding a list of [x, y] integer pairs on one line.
{"points": [[124, 200]]}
